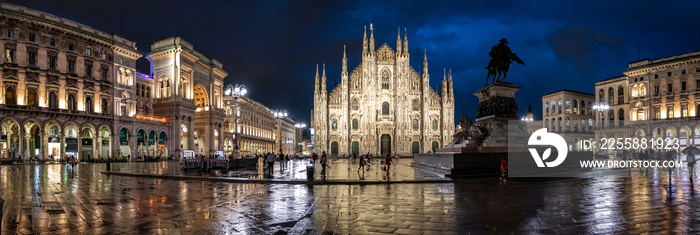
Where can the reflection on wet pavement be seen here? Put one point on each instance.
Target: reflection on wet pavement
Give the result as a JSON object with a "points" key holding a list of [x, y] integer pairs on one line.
{"points": [[53, 199], [338, 169]]}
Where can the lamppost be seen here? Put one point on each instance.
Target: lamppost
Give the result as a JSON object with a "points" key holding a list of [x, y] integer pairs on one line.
{"points": [[236, 92], [301, 127], [526, 119], [600, 107], [279, 114]]}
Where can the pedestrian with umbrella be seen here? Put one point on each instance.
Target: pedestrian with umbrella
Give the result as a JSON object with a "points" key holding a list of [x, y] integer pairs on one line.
{"points": [[691, 152]]}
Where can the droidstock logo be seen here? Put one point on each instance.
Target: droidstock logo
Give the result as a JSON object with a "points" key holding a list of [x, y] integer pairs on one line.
{"points": [[543, 138]]}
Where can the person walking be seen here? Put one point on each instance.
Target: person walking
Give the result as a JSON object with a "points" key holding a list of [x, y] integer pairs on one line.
{"points": [[270, 163], [691, 164], [363, 162], [388, 162], [287, 159], [324, 161], [314, 157], [282, 165], [72, 163], [504, 168]]}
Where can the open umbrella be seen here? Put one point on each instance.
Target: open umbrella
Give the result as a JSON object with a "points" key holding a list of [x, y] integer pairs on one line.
{"points": [[691, 151]]}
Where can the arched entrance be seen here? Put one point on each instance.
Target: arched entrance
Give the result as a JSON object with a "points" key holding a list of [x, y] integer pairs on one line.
{"points": [[72, 141], [386, 144], [33, 147], [124, 139], [334, 148], [162, 150], [355, 147], [53, 141], [141, 143], [200, 96], [435, 145], [151, 143], [105, 142], [87, 144], [415, 147], [10, 141]]}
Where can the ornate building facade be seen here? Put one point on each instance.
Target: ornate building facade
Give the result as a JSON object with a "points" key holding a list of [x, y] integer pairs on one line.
{"points": [[256, 127], [569, 113], [382, 106]]}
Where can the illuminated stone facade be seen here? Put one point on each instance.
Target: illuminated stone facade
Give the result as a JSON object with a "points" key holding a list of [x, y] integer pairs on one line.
{"points": [[256, 127], [382, 106], [569, 114]]}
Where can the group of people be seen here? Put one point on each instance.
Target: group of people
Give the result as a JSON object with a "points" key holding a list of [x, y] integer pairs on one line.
{"points": [[270, 159], [365, 159]]}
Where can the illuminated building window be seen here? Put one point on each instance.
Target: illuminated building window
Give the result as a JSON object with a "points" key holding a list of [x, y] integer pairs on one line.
{"points": [[385, 80], [657, 113], [435, 124], [88, 104], [684, 110], [10, 96], [385, 108], [568, 106], [10, 56], [669, 110], [31, 97]]}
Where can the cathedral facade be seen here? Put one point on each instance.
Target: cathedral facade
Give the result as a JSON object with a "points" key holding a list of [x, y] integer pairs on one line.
{"points": [[383, 106]]}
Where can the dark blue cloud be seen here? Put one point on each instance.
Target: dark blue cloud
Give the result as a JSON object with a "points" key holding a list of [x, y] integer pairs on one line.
{"points": [[273, 46]]}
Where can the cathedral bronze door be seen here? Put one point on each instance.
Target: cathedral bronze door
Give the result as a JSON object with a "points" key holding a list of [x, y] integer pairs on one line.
{"points": [[416, 147], [386, 144], [355, 147], [334, 148]]}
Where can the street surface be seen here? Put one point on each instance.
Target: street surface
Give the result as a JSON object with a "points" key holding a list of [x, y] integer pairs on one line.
{"points": [[54, 199]]}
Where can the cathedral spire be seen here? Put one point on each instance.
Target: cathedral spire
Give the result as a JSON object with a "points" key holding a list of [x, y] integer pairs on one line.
{"points": [[449, 82], [425, 61], [444, 90], [371, 38], [364, 42], [405, 41], [398, 42], [345, 61], [317, 82], [323, 80]]}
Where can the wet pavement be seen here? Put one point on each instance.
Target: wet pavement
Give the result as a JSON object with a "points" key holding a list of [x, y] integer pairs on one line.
{"points": [[53, 199], [337, 169]]}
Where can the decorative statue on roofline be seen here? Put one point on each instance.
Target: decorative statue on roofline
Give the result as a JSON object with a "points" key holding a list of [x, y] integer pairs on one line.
{"points": [[501, 59]]}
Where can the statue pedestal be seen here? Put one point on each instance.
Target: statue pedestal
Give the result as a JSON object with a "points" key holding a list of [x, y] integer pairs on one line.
{"points": [[496, 107]]}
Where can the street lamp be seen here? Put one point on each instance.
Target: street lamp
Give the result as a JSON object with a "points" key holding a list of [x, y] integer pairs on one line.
{"points": [[236, 92], [526, 119], [600, 107], [300, 126], [280, 114]]}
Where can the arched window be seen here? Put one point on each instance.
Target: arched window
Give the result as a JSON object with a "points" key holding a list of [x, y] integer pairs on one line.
{"points": [[416, 105], [554, 109], [355, 124], [435, 124], [105, 106], [415, 124], [611, 96], [559, 125], [568, 105], [148, 92], [385, 108], [559, 106], [53, 100], [642, 90], [568, 124], [143, 90], [385, 79], [88, 104], [621, 117], [334, 124], [575, 107], [611, 118], [355, 104], [71, 102], [583, 107], [10, 96], [590, 109], [31, 97], [138, 90], [601, 95], [546, 108], [621, 95]]}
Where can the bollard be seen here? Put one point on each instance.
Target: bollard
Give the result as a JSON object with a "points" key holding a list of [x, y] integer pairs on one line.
{"points": [[2, 201], [109, 165], [310, 171]]}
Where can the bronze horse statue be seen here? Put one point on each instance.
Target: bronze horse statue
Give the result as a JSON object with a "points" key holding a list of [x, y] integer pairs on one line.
{"points": [[501, 59]]}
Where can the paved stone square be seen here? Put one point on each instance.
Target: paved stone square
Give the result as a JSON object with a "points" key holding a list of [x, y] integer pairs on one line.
{"points": [[53, 199]]}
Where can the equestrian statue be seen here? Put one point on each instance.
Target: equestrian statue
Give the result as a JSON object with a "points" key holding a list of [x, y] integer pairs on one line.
{"points": [[501, 59]]}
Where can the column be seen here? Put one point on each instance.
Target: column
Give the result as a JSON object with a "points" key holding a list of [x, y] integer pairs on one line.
{"points": [[42, 146], [27, 138], [63, 145], [80, 146]]}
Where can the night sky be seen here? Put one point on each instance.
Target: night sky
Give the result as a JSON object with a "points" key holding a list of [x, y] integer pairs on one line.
{"points": [[273, 46]]}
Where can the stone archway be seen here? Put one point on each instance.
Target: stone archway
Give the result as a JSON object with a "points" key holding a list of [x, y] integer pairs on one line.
{"points": [[385, 142], [201, 98]]}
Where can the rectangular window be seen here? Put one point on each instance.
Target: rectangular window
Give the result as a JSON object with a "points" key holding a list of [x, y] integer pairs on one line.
{"points": [[104, 56], [10, 33], [656, 75], [697, 84], [71, 66], [670, 111], [104, 74], [684, 111], [669, 74], [10, 56], [88, 70], [52, 62], [657, 112], [52, 42], [656, 89], [32, 37], [88, 52], [669, 88], [682, 71], [697, 69], [32, 58], [71, 47], [682, 86]]}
